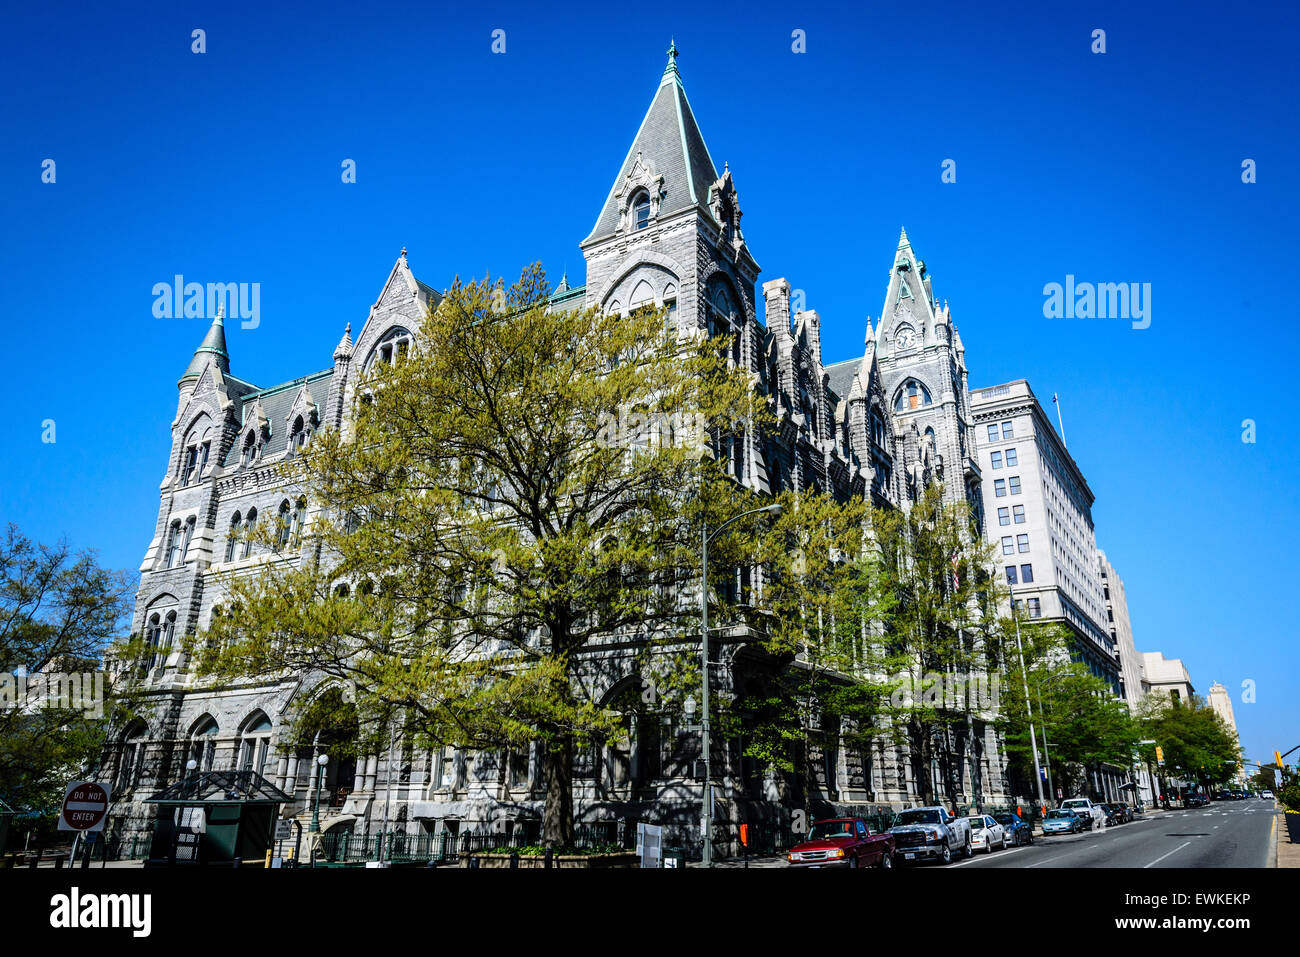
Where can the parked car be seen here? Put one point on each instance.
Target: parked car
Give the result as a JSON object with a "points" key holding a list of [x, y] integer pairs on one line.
{"points": [[1092, 814], [1135, 811], [1017, 829], [1116, 814], [1266, 795], [1196, 800], [986, 833], [1061, 820], [931, 833], [843, 842]]}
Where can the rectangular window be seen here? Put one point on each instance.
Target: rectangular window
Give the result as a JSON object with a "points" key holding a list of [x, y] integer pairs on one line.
{"points": [[1007, 431], [1018, 511], [1004, 516], [1000, 487], [993, 433], [1015, 485], [1035, 608], [1012, 459], [1008, 545], [1022, 541], [996, 459], [1011, 575], [1027, 574]]}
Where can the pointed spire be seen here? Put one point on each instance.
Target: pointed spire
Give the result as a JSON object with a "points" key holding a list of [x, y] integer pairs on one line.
{"points": [[870, 333], [671, 68], [344, 348], [213, 344], [902, 239]]}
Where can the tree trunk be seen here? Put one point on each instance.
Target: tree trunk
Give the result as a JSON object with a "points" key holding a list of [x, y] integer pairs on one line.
{"points": [[557, 820]]}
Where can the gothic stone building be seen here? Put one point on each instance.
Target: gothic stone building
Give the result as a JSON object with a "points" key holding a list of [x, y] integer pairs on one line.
{"points": [[882, 426]]}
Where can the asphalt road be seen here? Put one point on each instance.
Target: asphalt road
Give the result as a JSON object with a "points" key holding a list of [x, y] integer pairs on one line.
{"points": [[1224, 834]]}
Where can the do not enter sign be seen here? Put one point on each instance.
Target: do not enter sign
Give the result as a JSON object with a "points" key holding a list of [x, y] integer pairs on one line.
{"points": [[84, 807]]}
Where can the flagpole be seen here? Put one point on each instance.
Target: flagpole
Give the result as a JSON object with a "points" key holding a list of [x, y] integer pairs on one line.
{"points": [[1057, 402]]}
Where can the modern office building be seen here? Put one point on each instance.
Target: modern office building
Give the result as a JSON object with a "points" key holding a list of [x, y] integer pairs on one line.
{"points": [[1038, 511]]}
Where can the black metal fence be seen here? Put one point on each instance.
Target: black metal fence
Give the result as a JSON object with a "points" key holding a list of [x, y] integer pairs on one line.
{"points": [[400, 847]]}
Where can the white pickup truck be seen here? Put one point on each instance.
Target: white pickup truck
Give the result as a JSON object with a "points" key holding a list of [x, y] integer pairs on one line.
{"points": [[924, 833], [1092, 814]]}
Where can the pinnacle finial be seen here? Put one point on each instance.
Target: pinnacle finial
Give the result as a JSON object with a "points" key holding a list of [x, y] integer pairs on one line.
{"points": [[902, 238], [672, 57], [403, 253], [221, 313]]}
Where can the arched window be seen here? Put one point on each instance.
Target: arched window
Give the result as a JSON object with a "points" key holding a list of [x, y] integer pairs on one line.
{"points": [[670, 303], [877, 429], [911, 395], [930, 443], [133, 752], [232, 537], [724, 317], [249, 453], [615, 308], [299, 518], [250, 524], [203, 743], [283, 525], [391, 349], [152, 637], [190, 524], [641, 210], [255, 743], [173, 544], [297, 436], [642, 295]]}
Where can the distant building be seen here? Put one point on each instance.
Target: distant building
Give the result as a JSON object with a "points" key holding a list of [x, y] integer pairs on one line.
{"points": [[1166, 676], [1221, 702], [1121, 631]]}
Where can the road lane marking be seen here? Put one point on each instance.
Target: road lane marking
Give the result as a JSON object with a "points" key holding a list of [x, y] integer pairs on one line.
{"points": [[1163, 856], [1049, 860]]}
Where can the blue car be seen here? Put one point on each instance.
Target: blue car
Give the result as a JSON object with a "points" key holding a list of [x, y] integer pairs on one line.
{"points": [[1062, 821], [1018, 831]]}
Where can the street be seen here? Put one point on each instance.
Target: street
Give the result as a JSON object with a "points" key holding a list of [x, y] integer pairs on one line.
{"points": [[1224, 834]]}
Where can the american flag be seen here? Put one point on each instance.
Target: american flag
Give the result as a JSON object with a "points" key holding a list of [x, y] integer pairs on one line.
{"points": [[956, 581]]}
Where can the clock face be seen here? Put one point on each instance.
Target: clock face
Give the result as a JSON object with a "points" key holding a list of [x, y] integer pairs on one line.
{"points": [[905, 338]]}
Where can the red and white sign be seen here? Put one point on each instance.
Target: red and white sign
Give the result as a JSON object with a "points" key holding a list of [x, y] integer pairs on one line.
{"points": [[85, 807]]}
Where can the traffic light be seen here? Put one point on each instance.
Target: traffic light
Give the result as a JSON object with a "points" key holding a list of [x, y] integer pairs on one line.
{"points": [[1160, 755], [1277, 757]]}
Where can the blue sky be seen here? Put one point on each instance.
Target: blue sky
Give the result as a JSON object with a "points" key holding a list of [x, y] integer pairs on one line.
{"points": [[1120, 167]]}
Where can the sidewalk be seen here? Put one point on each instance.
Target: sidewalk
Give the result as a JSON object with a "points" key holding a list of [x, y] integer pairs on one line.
{"points": [[1288, 850]]}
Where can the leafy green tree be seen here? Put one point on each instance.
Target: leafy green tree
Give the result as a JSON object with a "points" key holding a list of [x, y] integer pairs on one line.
{"points": [[934, 560], [824, 604], [1197, 745], [59, 611], [524, 487]]}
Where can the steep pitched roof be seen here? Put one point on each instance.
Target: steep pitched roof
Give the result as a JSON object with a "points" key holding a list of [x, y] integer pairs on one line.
{"points": [[213, 344], [669, 140], [907, 299]]}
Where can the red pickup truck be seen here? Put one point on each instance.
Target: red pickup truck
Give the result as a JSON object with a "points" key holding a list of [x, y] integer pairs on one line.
{"points": [[843, 842]]}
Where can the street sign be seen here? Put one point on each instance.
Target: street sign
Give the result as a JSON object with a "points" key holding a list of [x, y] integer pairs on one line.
{"points": [[283, 829], [85, 807], [1059, 794]]}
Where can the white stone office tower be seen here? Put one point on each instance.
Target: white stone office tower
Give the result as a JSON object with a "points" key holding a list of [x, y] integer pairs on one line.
{"points": [[881, 426]]}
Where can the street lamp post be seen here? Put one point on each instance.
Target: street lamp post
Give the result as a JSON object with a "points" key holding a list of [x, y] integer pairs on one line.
{"points": [[706, 536], [323, 760]]}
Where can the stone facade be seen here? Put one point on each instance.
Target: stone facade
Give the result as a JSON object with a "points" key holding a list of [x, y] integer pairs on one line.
{"points": [[882, 426]]}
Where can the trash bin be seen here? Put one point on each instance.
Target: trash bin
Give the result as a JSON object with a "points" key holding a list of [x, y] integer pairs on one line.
{"points": [[674, 857]]}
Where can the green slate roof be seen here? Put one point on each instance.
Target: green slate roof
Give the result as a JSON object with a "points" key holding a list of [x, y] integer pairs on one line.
{"points": [[276, 403], [214, 343], [221, 787], [670, 141]]}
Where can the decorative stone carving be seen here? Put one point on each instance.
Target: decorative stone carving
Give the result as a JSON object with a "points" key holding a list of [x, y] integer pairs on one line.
{"points": [[640, 176]]}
